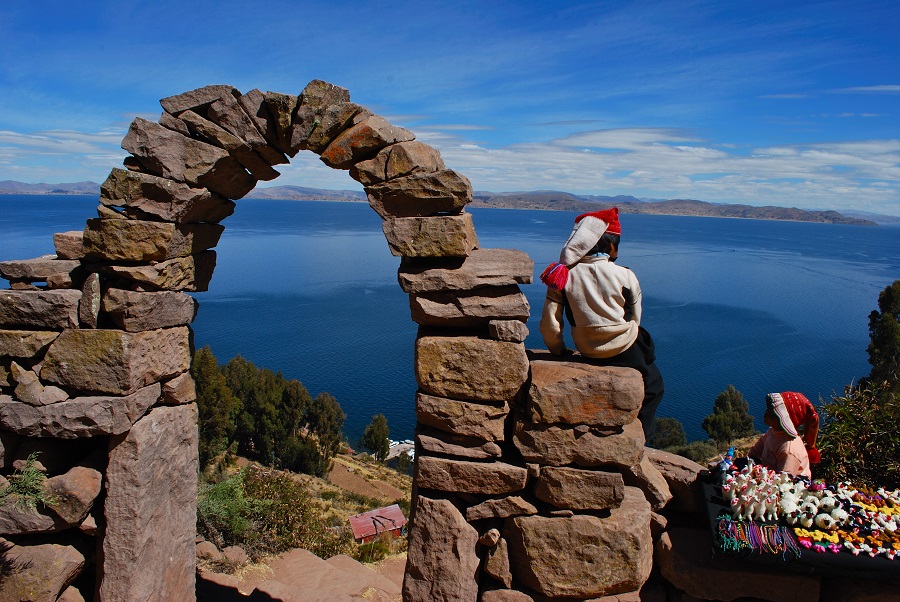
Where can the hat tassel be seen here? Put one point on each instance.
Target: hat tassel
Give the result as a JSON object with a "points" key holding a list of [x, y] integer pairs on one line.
{"points": [[556, 275]]}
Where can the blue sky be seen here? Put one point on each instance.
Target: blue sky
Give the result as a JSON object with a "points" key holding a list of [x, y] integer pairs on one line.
{"points": [[764, 103]]}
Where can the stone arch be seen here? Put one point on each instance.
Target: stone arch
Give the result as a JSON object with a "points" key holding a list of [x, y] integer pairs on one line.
{"points": [[94, 364]]}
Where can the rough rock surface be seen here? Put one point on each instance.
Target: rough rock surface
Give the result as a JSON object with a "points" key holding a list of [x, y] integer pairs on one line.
{"points": [[18, 518], [441, 563], [151, 509], [578, 393], [513, 505], [482, 421], [483, 267], [466, 367], [681, 475], [496, 563], [89, 306], [181, 274], [439, 236], [592, 556], [73, 493], [113, 361], [68, 245], [143, 196], [140, 240], [469, 308], [645, 476], [439, 442], [179, 390], [78, 417], [24, 343], [39, 309], [578, 489], [38, 269], [488, 478], [136, 311], [397, 160], [41, 572], [421, 194], [559, 445], [362, 141], [513, 331]]}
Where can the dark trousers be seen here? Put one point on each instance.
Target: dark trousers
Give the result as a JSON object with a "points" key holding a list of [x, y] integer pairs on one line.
{"points": [[642, 357]]}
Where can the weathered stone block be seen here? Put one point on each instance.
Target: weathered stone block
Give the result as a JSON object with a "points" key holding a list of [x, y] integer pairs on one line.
{"points": [[578, 489], [441, 236], [24, 343], [169, 154], [179, 390], [42, 572], [483, 421], [89, 306], [136, 311], [645, 476], [397, 160], [681, 476], [579, 393], [683, 558], [229, 114], [19, 518], [254, 104], [483, 267], [218, 136], [496, 563], [441, 562], [180, 274], [435, 441], [591, 556], [78, 417], [421, 194], [151, 509], [197, 99], [467, 367], [469, 308], [68, 244], [513, 331], [501, 508], [138, 240], [39, 309], [486, 478], [143, 195], [281, 108], [553, 445], [362, 141], [73, 493], [112, 361], [37, 269]]}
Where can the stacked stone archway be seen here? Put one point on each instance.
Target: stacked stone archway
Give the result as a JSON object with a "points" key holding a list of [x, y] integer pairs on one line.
{"points": [[95, 350]]}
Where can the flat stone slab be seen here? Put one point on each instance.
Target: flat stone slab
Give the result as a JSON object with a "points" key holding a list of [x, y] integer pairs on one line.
{"points": [[140, 194], [78, 417], [442, 563], [579, 393], [136, 311], [140, 240], [38, 269], [438, 442], [591, 556], [578, 489], [113, 361], [68, 245], [488, 478], [483, 267], [468, 419], [397, 160], [513, 505], [648, 478], [43, 572], [182, 274], [421, 194], [151, 509], [362, 141], [439, 236], [25, 343], [553, 445], [470, 308], [466, 367], [681, 476], [56, 309]]}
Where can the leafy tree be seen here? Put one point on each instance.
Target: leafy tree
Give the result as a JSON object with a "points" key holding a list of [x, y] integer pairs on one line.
{"points": [[375, 437], [218, 407], [730, 419], [404, 464], [669, 433], [884, 338]]}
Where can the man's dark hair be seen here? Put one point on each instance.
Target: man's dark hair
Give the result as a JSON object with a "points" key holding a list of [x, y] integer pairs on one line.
{"points": [[605, 244]]}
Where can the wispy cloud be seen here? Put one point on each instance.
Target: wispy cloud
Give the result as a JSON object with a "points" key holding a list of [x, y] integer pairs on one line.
{"points": [[887, 89]]}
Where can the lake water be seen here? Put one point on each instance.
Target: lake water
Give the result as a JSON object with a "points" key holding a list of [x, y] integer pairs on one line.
{"points": [[310, 289]]}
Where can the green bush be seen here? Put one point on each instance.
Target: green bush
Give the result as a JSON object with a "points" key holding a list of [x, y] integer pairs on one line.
{"points": [[669, 433], [860, 437], [26, 486], [698, 451], [730, 419]]}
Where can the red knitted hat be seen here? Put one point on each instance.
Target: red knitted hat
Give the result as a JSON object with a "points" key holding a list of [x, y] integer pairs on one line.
{"points": [[589, 227], [610, 216], [799, 411]]}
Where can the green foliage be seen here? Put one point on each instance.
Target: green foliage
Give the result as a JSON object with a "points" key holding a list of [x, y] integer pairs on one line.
{"points": [[860, 437], [264, 416], [267, 512], [884, 338], [373, 551], [26, 486], [404, 464], [698, 451], [730, 419], [403, 502], [375, 437], [669, 433]]}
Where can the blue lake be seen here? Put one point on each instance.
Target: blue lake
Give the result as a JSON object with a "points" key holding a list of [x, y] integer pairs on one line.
{"points": [[310, 289]]}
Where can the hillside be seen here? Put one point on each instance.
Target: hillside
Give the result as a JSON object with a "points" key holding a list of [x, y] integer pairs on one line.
{"points": [[542, 199]]}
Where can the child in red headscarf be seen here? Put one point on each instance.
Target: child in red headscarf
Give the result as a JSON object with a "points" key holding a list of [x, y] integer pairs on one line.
{"points": [[782, 447]]}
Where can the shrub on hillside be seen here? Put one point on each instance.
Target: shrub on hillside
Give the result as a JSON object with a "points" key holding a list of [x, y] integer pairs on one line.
{"points": [[730, 419], [698, 451], [669, 433]]}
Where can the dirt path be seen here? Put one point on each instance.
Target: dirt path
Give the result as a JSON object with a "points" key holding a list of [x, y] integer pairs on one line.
{"points": [[353, 478]]}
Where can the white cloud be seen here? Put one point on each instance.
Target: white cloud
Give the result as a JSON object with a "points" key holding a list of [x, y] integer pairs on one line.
{"points": [[887, 89]]}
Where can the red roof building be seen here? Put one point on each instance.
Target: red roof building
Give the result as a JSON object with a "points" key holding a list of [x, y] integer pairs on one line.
{"points": [[369, 525]]}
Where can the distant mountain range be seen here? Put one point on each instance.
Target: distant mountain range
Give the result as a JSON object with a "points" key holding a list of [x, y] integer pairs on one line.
{"points": [[543, 199]]}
